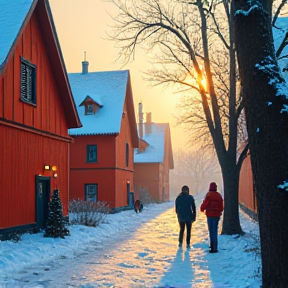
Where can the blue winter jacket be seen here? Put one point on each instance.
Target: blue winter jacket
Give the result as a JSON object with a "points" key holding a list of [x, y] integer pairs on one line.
{"points": [[185, 208]]}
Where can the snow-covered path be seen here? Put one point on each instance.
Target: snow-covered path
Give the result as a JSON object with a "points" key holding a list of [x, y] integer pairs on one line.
{"points": [[146, 254]]}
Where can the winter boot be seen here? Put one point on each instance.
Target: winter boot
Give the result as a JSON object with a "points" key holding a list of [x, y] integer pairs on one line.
{"points": [[213, 249]]}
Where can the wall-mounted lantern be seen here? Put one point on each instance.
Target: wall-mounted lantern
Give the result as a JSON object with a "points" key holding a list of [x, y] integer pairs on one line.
{"points": [[54, 170], [51, 168]]}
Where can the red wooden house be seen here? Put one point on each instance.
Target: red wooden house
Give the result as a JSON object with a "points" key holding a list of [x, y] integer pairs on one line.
{"points": [[152, 160], [36, 110], [101, 157]]}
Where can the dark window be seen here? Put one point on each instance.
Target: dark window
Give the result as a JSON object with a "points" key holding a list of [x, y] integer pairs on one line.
{"points": [[127, 155], [28, 82], [91, 153], [90, 109], [91, 192]]}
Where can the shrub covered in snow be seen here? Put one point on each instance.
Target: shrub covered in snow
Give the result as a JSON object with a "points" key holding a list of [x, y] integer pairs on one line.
{"points": [[87, 213], [145, 197]]}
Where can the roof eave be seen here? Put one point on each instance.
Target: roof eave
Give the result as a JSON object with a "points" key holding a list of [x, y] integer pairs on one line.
{"points": [[95, 134], [12, 48], [60, 69], [132, 118]]}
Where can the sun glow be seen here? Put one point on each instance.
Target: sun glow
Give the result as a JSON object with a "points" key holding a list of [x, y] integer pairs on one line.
{"points": [[196, 81], [204, 83]]}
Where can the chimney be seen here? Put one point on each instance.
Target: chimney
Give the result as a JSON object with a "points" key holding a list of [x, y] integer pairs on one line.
{"points": [[85, 65], [148, 125], [140, 120]]}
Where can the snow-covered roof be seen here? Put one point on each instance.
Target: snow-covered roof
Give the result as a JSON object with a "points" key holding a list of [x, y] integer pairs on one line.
{"points": [[154, 153], [88, 98], [109, 89], [278, 34], [12, 16]]}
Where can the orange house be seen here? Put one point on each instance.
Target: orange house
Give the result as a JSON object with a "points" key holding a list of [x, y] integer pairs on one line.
{"points": [[247, 194], [36, 111], [101, 157], [153, 160]]}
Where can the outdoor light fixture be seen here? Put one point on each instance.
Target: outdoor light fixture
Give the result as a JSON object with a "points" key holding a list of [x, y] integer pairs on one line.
{"points": [[51, 168], [54, 170]]}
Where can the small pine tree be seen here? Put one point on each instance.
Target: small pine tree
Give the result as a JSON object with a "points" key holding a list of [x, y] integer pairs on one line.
{"points": [[56, 223]]}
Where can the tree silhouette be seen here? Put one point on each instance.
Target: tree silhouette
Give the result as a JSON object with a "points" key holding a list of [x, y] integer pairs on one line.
{"points": [[265, 102], [193, 48]]}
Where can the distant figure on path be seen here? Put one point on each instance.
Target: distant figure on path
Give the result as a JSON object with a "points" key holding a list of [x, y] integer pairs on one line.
{"points": [[213, 205], [186, 213], [138, 206]]}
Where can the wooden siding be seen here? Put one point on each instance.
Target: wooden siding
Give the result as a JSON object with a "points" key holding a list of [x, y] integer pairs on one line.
{"points": [[129, 108], [121, 140], [146, 175], [168, 164], [101, 173], [154, 177], [122, 178], [103, 177], [2, 98], [110, 172], [23, 156], [246, 190], [105, 151], [33, 135], [48, 113], [105, 173], [124, 174]]}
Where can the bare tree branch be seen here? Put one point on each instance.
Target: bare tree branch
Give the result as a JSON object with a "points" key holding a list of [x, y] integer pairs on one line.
{"points": [[282, 4]]}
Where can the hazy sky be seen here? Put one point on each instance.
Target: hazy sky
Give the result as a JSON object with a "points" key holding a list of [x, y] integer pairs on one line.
{"points": [[82, 26]]}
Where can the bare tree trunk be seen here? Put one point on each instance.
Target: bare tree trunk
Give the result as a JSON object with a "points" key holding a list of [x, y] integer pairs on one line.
{"points": [[177, 36], [268, 136], [231, 223]]}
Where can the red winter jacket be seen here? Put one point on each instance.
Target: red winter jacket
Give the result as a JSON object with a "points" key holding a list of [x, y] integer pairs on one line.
{"points": [[213, 204]]}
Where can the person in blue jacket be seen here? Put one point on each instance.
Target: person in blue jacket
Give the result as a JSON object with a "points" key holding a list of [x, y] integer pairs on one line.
{"points": [[186, 213]]}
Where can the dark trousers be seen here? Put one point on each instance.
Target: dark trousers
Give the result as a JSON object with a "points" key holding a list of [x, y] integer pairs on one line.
{"points": [[188, 231], [213, 231]]}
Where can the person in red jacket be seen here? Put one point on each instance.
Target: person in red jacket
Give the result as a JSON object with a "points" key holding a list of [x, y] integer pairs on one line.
{"points": [[213, 206]]}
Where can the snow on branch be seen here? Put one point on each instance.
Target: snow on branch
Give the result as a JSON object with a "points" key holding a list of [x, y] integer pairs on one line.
{"points": [[270, 68], [256, 6], [284, 186], [285, 109]]}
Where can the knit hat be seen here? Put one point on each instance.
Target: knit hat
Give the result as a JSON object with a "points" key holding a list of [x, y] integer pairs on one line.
{"points": [[213, 186]]}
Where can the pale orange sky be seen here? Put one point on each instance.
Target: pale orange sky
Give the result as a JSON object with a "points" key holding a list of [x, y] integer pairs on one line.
{"points": [[81, 26]]}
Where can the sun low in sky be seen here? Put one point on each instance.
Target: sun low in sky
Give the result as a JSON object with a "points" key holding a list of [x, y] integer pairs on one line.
{"points": [[82, 25]]}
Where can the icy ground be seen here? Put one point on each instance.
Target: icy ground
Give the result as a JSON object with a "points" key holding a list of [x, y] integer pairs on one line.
{"points": [[132, 250]]}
